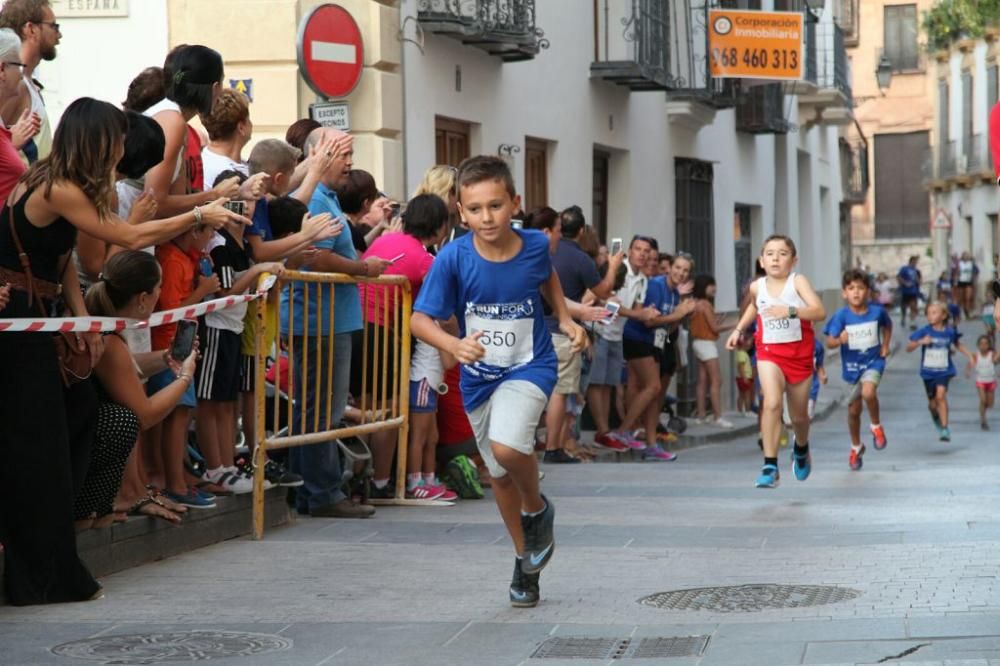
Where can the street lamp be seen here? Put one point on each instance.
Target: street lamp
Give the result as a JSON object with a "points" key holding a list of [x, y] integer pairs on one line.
{"points": [[883, 73]]}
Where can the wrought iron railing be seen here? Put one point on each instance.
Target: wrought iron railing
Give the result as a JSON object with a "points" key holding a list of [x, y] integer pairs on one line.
{"points": [[811, 73], [948, 159], [688, 57], [834, 68], [761, 110], [927, 171], [974, 148], [505, 28], [632, 39]]}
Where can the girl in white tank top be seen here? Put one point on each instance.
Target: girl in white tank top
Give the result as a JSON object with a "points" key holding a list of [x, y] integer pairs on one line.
{"points": [[986, 376], [785, 346]]}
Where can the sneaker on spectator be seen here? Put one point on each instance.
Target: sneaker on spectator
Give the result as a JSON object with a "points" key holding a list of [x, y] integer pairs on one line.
{"points": [[610, 441], [464, 478], [385, 492], [723, 423], [630, 440], [422, 492], [231, 481], [559, 456], [446, 495], [657, 454], [191, 499], [205, 495], [277, 474]]}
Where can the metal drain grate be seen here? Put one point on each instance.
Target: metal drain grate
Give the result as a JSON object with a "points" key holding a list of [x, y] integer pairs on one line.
{"points": [[749, 598], [658, 648], [172, 647], [603, 649]]}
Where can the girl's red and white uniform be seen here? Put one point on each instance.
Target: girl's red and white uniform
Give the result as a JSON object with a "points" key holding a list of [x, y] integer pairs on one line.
{"points": [[788, 343]]}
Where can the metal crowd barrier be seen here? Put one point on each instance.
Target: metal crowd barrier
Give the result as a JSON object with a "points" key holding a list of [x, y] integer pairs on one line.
{"points": [[383, 405]]}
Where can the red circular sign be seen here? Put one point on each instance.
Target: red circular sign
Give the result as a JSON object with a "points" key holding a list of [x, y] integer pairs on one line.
{"points": [[330, 51]]}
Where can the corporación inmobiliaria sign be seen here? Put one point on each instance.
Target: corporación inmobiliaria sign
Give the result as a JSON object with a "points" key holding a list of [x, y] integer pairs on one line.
{"points": [[756, 44]]}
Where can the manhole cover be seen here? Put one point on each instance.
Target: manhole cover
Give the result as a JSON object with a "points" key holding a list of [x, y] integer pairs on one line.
{"points": [[571, 647], [171, 646], [749, 598]]}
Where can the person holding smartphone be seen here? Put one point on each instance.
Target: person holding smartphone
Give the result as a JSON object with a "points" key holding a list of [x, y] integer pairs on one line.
{"points": [[129, 288]]}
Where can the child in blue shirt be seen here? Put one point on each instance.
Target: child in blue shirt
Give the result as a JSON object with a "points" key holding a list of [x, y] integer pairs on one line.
{"points": [[936, 368], [862, 330], [493, 281], [819, 376]]}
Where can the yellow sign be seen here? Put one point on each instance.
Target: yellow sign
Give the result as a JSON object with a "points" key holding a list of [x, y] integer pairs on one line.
{"points": [[756, 45]]}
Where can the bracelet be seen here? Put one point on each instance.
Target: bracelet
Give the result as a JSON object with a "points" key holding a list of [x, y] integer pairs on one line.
{"points": [[197, 215], [186, 376]]}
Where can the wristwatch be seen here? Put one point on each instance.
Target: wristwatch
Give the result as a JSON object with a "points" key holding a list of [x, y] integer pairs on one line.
{"points": [[793, 312]]}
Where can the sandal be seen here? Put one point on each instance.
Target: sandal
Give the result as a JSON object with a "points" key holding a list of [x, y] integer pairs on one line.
{"points": [[153, 507], [165, 501]]}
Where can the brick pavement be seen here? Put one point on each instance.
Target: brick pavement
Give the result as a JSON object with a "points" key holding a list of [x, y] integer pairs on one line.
{"points": [[915, 533]]}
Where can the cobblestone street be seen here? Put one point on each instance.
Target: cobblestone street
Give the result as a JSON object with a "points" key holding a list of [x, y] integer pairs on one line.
{"points": [[912, 540]]}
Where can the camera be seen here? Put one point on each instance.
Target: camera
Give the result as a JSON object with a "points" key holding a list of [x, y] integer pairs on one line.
{"points": [[238, 207]]}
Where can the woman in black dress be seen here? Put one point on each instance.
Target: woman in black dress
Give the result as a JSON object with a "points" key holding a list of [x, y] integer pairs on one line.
{"points": [[48, 428]]}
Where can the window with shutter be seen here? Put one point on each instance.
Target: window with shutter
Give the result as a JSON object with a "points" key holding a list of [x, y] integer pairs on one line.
{"points": [[901, 204], [967, 129], [901, 35], [943, 134]]}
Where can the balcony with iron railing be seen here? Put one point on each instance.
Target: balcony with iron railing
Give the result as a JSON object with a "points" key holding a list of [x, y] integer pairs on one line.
{"points": [[854, 167], [947, 160], [833, 102], [976, 151], [503, 28], [632, 39], [761, 110]]}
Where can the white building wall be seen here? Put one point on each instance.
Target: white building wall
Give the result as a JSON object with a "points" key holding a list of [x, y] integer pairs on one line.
{"points": [[552, 97], [970, 204], [99, 57]]}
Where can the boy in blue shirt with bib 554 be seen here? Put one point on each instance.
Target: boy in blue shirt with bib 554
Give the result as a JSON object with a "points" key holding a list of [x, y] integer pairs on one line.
{"points": [[862, 330], [493, 281], [936, 368]]}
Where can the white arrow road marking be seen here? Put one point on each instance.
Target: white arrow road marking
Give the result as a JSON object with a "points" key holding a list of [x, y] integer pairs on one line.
{"points": [[334, 52]]}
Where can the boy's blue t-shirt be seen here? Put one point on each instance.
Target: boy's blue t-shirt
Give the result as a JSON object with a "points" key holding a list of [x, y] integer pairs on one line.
{"points": [[935, 359], [656, 296], [347, 301], [261, 222], [503, 300], [863, 350]]}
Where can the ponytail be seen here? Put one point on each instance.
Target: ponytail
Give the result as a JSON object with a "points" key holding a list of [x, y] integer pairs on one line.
{"points": [[126, 275]]}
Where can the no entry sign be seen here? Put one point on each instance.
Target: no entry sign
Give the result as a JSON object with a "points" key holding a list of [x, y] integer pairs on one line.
{"points": [[330, 51]]}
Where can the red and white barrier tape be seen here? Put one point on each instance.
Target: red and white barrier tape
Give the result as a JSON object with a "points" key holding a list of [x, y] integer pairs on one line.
{"points": [[102, 324]]}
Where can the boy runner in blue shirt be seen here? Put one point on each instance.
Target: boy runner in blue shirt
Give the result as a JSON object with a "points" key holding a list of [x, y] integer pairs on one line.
{"points": [[493, 281], [936, 368], [862, 330]]}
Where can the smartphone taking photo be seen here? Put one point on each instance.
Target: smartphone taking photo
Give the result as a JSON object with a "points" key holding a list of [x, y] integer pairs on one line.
{"points": [[238, 207], [616, 246], [611, 308], [183, 340]]}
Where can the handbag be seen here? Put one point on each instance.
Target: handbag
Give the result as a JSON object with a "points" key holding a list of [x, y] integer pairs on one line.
{"points": [[74, 365]]}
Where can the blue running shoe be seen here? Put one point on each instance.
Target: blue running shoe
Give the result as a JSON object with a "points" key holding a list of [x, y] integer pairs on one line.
{"points": [[769, 477], [801, 465], [945, 434], [936, 419]]}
